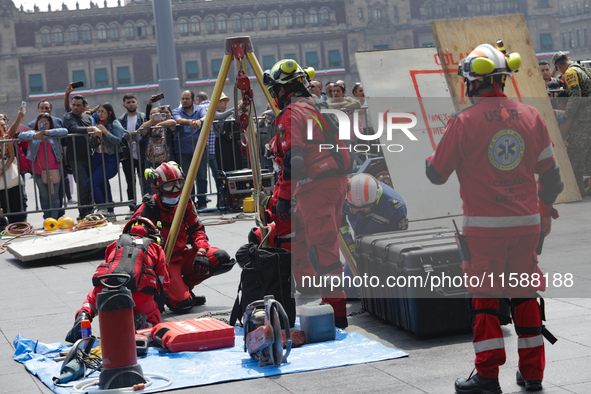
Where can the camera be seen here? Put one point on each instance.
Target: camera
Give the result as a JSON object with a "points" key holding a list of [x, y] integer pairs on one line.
{"points": [[158, 97]]}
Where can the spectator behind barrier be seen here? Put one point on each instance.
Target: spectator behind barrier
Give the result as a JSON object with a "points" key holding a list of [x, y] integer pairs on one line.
{"points": [[10, 200], [105, 147], [46, 156], [157, 147]]}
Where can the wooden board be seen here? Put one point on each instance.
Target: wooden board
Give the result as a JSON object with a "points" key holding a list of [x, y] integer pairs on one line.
{"points": [[456, 38], [59, 244]]}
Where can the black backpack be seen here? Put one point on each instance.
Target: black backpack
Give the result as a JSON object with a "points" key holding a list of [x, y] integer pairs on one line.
{"points": [[265, 271]]}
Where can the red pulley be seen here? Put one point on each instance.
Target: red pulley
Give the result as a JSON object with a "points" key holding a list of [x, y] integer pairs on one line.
{"points": [[242, 81]]}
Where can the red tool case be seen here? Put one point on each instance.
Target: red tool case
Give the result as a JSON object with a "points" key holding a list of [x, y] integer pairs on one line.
{"points": [[200, 334]]}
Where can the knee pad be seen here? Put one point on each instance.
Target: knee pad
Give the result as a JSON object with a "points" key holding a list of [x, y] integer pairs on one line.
{"points": [[225, 262]]}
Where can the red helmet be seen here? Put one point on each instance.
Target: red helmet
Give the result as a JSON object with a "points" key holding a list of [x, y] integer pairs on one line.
{"points": [[141, 226], [168, 178]]}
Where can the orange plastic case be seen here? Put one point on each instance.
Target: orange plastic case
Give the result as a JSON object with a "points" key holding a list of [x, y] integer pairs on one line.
{"points": [[200, 334]]}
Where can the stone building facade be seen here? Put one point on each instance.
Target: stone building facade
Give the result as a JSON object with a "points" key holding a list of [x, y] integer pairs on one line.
{"points": [[113, 50]]}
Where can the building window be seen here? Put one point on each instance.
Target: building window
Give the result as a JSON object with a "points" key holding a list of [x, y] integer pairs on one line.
{"points": [[486, 6], [377, 14], [192, 69], [313, 17], [438, 10], [543, 4], [222, 24], [273, 20], [586, 7], [210, 24], [247, 22], [74, 36], [86, 34], [102, 32], [45, 36], [564, 44], [129, 31], [546, 41], [268, 61], [324, 16], [236, 23], [312, 59], [564, 11], [586, 37], [291, 56], [427, 10], [288, 18], [334, 58], [262, 17], [101, 77], [571, 40], [578, 38], [578, 8], [299, 18], [79, 75], [183, 26], [216, 65], [58, 35], [195, 26], [142, 31], [123, 75], [114, 31], [35, 83], [360, 14], [381, 47], [571, 9]]}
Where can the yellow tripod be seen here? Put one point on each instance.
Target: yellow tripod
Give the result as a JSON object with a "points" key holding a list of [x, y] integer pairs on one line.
{"points": [[239, 48]]}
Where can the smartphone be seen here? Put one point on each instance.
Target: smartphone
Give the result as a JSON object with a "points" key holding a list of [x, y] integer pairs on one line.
{"points": [[158, 97], [23, 105], [78, 84], [42, 127]]}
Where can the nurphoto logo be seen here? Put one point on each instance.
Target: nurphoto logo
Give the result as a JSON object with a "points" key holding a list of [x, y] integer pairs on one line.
{"points": [[390, 122]]}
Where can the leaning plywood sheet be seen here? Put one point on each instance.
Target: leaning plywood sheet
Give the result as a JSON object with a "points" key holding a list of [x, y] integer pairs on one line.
{"points": [[39, 247], [457, 37], [411, 81]]}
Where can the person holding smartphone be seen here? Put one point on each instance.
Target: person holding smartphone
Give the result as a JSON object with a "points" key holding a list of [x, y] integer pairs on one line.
{"points": [[46, 157], [105, 145], [154, 130]]}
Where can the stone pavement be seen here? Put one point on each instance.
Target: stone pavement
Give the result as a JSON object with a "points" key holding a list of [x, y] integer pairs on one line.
{"points": [[38, 300]]}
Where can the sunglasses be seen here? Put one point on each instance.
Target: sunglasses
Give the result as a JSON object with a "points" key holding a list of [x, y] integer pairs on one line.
{"points": [[172, 186]]}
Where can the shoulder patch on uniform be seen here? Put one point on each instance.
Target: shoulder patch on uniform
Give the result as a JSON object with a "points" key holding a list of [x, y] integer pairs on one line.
{"points": [[396, 203], [571, 78]]}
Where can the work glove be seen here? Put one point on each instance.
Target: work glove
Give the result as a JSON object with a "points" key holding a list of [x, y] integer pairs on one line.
{"points": [[201, 264], [283, 209]]}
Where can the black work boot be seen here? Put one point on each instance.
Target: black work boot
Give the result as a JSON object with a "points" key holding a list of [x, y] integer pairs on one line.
{"points": [[75, 332], [477, 384], [530, 385], [197, 300]]}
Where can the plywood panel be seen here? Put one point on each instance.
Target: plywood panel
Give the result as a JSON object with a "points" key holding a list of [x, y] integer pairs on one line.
{"points": [[457, 37]]}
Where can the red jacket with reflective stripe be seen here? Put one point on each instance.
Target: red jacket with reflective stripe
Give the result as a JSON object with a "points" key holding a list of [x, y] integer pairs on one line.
{"points": [[495, 147]]}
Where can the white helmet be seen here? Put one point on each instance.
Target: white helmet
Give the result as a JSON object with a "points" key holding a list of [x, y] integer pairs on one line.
{"points": [[364, 190], [485, 60]]}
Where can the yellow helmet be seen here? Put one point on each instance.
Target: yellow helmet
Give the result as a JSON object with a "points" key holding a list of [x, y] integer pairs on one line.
{"points": [[285, 71], [50, 224]]}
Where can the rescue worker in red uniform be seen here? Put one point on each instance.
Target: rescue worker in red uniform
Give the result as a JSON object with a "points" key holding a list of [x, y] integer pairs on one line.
{"points": [[188, 266], [496, 146], [314, 177], [146, 285]]}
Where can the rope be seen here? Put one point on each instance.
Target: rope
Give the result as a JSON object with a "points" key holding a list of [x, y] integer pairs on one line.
{"points": [[92, 220], [16, 230]]}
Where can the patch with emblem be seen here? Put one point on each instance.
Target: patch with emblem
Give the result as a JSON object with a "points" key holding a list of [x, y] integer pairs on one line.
{"points": [[403, 224], [571, 78], [281, 133], [505, 150]]}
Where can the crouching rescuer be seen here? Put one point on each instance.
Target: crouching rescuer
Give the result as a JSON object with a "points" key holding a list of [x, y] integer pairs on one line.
{"points": [[316, 179], [193, 259], [496, 146], [138, 254]]}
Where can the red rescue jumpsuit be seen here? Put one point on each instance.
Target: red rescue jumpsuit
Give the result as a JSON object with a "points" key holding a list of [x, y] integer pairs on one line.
{"points": [[144, 303], [495, 147], [319, 188], [183, 275]]}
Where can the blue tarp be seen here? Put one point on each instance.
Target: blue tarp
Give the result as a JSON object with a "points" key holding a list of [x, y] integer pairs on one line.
{"points": [[188, 369]]}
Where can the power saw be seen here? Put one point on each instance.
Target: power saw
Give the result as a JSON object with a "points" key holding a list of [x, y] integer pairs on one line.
{"points": [[262, 332]]}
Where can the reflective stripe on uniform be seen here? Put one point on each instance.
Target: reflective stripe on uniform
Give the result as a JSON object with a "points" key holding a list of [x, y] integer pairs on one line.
{"points": [[529, 342], [546, 153], [501, 221], [489, 344], [90, 306]]}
